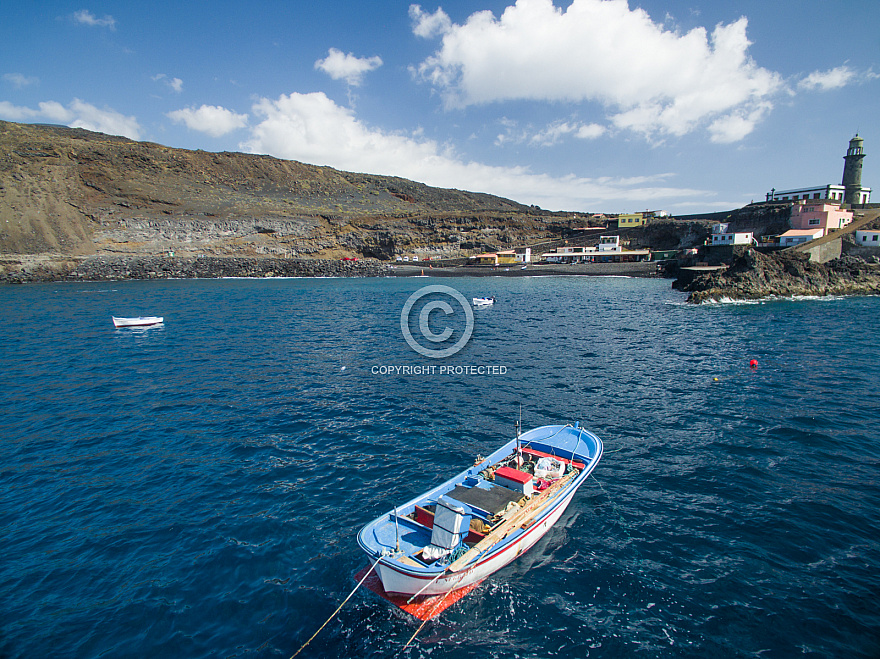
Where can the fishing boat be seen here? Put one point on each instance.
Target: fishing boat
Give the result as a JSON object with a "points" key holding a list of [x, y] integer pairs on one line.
{"points": [[140, 321], [460, 532], [483, 301]]}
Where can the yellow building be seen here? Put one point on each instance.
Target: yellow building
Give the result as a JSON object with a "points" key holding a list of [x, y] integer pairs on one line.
{"points": [[507, 257], [626, 221], [487, 259]]}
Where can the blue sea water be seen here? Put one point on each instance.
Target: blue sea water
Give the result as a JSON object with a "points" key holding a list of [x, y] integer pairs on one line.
{"points": [[194, 489]]}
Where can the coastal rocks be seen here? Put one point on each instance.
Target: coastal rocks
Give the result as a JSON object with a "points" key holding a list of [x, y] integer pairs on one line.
{"points": [[102, 268], [752, 275]]}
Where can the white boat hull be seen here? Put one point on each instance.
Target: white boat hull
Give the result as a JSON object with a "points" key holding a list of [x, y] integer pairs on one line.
{"points": [[396, 580], [140, 321]]}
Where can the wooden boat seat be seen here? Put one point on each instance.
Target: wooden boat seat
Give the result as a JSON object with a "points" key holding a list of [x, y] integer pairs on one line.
{"points": [[406, 560]]}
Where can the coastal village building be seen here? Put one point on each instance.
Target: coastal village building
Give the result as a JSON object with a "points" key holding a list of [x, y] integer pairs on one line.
{"points": [[866, 238], [568, 255], [825, 215], [722, 236], [831, 191], [507, 257], [609, 244], [630, 220], [607, 251], [850, 191], [798, 236]]}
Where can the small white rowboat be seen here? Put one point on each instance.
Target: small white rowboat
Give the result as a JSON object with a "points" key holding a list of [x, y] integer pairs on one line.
{"points": [[140, 321]]}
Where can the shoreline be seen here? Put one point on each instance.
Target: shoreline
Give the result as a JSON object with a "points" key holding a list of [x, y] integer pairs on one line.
{"points": [[20, 269], [637, 269]]}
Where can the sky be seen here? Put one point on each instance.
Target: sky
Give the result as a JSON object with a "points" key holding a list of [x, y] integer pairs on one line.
{"points": [[686, 106]]}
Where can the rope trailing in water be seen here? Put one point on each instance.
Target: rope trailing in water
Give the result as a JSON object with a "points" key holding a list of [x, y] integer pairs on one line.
{"points": [[433, 611], [425, 587], [337, 610]]}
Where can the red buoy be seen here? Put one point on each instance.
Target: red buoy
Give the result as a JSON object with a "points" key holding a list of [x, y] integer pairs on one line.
{"points": [[753, 363]]}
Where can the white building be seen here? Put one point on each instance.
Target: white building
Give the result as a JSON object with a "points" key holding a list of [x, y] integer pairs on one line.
{"points": [[738, 238], [798, 236], [609, 243], [868, 238], [831, 191], [721, 236]]}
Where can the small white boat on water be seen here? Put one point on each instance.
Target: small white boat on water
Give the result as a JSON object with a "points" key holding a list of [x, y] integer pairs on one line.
{"points": [[483, 301], [140, 321], [475, 523]]}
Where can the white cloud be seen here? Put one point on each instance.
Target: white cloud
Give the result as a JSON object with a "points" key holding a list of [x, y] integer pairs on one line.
{"points": [[175, 84], [552, 134], [12, 112], [85, 17], [54, 111], [103, 121], [429, 25], [589, 131], [20, 80], [78, 114], [826, 80], [340, 66], [314, 129], [555, 132], [649, 79], [214, 120], [512, 133], [735, 126]]}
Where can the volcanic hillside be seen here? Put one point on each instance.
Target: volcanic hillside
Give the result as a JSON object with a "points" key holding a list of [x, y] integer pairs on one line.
{"points": [[68, 191]]}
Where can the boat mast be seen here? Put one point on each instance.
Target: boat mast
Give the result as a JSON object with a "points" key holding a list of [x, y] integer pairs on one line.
{"points": [[518, 430]]}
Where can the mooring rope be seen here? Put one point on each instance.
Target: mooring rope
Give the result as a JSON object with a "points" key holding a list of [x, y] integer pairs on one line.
{"points": [[337, 610], [423, 588], [431, 615]]}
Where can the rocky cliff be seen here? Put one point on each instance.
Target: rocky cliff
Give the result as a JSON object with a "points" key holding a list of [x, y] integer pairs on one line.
{"points": [[71, 192], [752, 275]]}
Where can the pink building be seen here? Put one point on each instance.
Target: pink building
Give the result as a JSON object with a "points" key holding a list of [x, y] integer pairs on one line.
{"points": [[823, 215]]}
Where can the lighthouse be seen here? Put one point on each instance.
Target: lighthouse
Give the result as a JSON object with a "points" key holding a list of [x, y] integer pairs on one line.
{"points": [[852, 171], [850, 192]]}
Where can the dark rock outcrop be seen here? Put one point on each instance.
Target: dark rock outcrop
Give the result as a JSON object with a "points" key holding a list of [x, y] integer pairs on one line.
{"points": [[752, 275], [103, 268]]}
